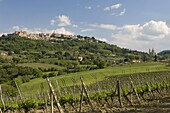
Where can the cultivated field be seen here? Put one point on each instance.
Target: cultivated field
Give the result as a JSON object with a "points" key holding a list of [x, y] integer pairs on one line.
{"points": [[90, 76], [126, 88]]}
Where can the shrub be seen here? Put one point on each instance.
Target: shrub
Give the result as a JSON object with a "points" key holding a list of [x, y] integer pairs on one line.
{"points": [[52, 74], [26, 78], [60, 72], [168, 62], [9, 90], [28, 105], [44, 76]]}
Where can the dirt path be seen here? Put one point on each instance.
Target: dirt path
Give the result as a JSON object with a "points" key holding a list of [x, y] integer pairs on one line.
{"points": [[157, 106]]}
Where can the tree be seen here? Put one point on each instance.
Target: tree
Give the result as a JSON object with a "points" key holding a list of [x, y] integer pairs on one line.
{"points": [[16, 59], [146, 58], [12, 71], [52, 74], [59, 55], [155, 58], [9, 90], [100, 63], [67, 55], [168, 62]]}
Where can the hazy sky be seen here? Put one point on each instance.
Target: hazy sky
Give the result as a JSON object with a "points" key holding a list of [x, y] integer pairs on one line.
{"points": [[133, 24]]}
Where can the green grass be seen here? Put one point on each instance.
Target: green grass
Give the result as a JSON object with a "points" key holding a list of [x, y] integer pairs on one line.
{"points": [[34, 85], [40, 65]]}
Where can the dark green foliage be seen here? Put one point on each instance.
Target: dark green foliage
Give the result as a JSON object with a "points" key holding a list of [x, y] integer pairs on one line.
{"points": [[9, 90], [26, 78], [165, 52], [9, 72], [146, 58], [60, 72], [52, 74], [155, 58], [100, 63], [45, 76], [28, 104], [168, 62]]}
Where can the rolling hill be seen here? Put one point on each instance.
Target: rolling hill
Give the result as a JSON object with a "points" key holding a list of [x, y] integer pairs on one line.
{"points": [[30, 56]]}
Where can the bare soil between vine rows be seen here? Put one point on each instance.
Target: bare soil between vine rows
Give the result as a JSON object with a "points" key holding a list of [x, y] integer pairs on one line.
{"points": [[156, 106]]}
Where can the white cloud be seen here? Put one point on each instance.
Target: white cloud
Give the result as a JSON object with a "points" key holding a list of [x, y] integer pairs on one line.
{"points": [[115, 6], [64, 20], [152, 34], [86, 30], [123, 12], [152, 29], [88, 7], [16, 28], [102, 39], [34, 30], [130, 31], [142, 37], [52, 22], [3, 34], [63, 31], [40, 30], [157, 29], [75, 26], [107, 9], [113, 14], [104, 26]]}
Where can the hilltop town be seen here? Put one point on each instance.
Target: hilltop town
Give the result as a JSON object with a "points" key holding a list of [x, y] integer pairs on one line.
{"points": [[54, 36], [43, 36]]}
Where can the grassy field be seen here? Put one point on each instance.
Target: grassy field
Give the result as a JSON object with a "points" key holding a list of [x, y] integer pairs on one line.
{"points": [[89, 76]]}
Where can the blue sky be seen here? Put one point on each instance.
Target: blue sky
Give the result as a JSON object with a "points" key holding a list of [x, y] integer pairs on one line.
{"points": [[133, 24]]}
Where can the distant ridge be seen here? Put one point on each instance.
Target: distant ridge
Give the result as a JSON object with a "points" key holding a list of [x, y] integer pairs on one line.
{"points": [[165, 52]]}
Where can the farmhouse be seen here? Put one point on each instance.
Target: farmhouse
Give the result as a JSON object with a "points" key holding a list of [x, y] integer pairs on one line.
{"points": [[136, 61], [3, 53]]}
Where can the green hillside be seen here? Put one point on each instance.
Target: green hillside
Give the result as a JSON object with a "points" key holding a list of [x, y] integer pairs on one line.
{"points": [[91, 76], [63, 56], [30, 61]]}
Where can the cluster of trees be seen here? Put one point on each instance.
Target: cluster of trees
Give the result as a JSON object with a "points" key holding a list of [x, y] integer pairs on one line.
{"points": [[9, 72]]}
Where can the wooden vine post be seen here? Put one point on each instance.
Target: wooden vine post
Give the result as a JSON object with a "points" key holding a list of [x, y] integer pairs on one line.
{"points": [[58, 87], [81, 99], [2, 100], [131, 95], [88, 98], [119, 93], [51, 102], [134, 90], [44, 97], [19, 91], [98, 86], [46, 106], [55, 96], [126, 96]]}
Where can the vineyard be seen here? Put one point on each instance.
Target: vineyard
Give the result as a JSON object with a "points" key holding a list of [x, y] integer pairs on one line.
{"points": [[113, 94]]}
